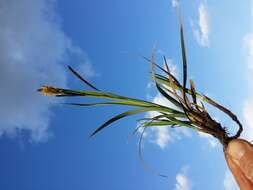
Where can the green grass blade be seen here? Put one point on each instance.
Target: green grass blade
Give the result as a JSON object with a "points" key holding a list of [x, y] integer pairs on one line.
{"points": [[100, 94], [170, 83], [158, 123], [162, 69], [81, 78], [152, 60], [169, 98], [145, 119], [166, 64], [120, 116], [183, 54], [126, 103], [168, 116], [184, 65]]}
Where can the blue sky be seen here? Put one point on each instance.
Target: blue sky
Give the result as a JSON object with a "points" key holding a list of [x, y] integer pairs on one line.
{"points": [[45, 145]]}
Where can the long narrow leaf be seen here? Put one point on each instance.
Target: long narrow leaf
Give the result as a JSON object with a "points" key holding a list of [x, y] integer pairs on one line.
{"points": [[193, 92], [158, 123], [184, 64], [99, 94], [170, 98], [120, 116], [166, 64], [81, 78]]}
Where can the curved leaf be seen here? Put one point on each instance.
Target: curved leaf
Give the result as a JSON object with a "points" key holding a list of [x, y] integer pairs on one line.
{"points": [[120, 116], [81, 78]]}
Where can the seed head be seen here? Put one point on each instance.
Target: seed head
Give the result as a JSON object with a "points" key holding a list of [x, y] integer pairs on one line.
{"points": [[50, 91]]}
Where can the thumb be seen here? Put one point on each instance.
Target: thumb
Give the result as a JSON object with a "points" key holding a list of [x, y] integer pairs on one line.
{"points": [[241, 153]]}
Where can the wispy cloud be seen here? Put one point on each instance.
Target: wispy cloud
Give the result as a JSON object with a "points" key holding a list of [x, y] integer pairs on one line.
{"points": [[212, 142], [248, 104], [201, 29], [182, 181], [33, 48], [162, 135], [175, 3], [229, 182], [248, 120]]}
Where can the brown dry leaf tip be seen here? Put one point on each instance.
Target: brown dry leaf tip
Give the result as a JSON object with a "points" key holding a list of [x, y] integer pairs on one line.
{"points": [[50, 91]]}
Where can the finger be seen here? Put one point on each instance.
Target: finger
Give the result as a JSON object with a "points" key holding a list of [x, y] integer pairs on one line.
{"points": [[241, 153], [243, 182]]}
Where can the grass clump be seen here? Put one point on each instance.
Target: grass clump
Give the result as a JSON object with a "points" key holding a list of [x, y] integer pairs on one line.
{"points": [[188, 110]]}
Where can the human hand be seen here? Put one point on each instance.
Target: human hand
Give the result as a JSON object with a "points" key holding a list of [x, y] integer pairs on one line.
{"points": [[239, 157]]}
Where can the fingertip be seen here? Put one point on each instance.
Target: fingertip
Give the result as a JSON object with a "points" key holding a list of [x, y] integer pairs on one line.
{"points": [[241, 153], [241, 179], [236, 149]]}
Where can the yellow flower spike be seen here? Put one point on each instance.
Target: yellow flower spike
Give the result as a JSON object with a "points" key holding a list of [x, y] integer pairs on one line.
{"points": [[50, 91]]}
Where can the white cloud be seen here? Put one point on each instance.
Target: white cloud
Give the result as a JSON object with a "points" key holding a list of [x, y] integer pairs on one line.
{"points": [[229, 182], [202, 30], [212, 142], [182, 181], [248, 104], [162, 135], [248, 120], [79, 56], [175, 3], [33, 48], [248, 44]]}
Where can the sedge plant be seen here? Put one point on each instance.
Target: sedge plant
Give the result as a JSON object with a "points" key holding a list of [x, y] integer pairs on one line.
{"points": [[188, 108]]}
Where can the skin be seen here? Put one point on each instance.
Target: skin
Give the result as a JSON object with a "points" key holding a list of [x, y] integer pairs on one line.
{"points": [[239, 157]]}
